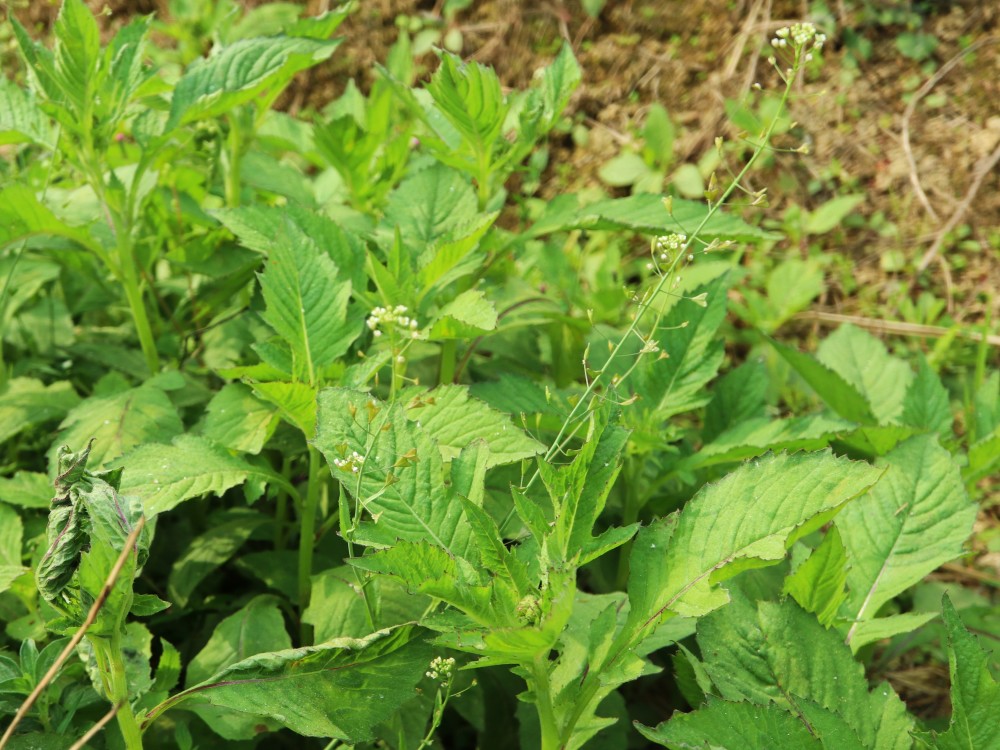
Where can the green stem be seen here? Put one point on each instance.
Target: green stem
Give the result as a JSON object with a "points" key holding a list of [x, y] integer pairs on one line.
{"points": [[137, 307], [232, 162], [108, 655], [543, 700], [307, 537], [449, 347], [281, 510]]}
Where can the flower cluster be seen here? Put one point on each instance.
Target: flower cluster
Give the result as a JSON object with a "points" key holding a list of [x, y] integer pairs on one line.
{"points": [[352, 463], [383, 316], [669, 243], [800, 36], [441, 669]]}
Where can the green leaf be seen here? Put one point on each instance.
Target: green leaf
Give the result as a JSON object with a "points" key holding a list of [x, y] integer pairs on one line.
{"points": [[454, 420], [470, 97], [254, 629], [818, 584], [915, 519], [11, 532], [431, 205], [771, 653], [26, 402], [237, 420], [676, 384], [469, 315], [23, 215], [307, 305], [725, 725], [341, 689], [240, 72], [737, 396], [207, 552], [623, 170], [759, 435], [926, 404], [400, 478], [975, 693], [26, 489], [164, 476], [121, 421], [837, 392], [747, 519], [862, 360], [643, 213], [871, 631], [77, 50], [560, 79], [829, 216], [21, 121], [296, 402]]}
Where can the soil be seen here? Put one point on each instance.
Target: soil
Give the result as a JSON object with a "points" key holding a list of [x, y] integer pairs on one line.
{"points": [[691, 57]]}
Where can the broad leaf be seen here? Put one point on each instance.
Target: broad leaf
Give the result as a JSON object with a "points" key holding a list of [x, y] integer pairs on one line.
{"points": [[818, 583], [455, 420], [469, 315], [915, 519], [164, 476], [26, 402], [26, 489], [11, 532], [341, 689], [240, 72], [21, 121], [239, 421]]}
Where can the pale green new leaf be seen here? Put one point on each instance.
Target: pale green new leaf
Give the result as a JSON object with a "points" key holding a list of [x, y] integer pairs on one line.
{"points": [[747, 519], [121, 421], [926, 404], [430, 205], [560, 79], [257, 627], [307, 304], [21, 121], [23, 215], [469, 315], [454, 420], [341, 689], [871, 631], [975, 693], [470, 97], [164, 476], [296, 402], [915, 519], [767, 652], [643, 213], [863, 361], [400, 479], [726, 725], [77, 51], [26, 402], [240, 72], [239, 421], [818, 584]]}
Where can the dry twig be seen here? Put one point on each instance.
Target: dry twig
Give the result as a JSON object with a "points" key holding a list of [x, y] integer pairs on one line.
{"points": [[897, 327]]}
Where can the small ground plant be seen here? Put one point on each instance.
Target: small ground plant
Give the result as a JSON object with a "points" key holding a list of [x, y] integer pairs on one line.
{"points": [[353, 446]]}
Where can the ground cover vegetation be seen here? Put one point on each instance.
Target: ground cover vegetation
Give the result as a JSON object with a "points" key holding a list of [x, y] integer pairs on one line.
{"points": [[325, 428]]}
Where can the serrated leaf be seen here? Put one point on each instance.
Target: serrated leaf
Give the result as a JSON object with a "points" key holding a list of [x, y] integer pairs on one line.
{"points": [[926, 404], [737, 396], [430, 205], [818, 584], [400, 480], [863, 361], [296, 402], [26, 489], [770, 653], [757, 436], [240, 72], [560, 79], [882, 628], [164, 476], [21, 121], [644, 213], [726, 725], [469, 315], [255, 628], [26, 402], [307, 305], [342, 689], [239, 421], [748, 518], [470, 97], [77, 50], [121, 421], [915, 519], [975, 693], [839, 394], [454, 420], [11, 532]]}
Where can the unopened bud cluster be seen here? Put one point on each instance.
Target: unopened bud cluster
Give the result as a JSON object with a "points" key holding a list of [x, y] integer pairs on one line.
{"points": [[441, 669], [799, 36], [352, 463], [669, 243], [381, 317]]}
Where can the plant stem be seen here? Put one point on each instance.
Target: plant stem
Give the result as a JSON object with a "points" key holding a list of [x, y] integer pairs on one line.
{"points": [[109, 661], [543, 702], [137, 307], [307, 537], [449, 347], [232, 160]]}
